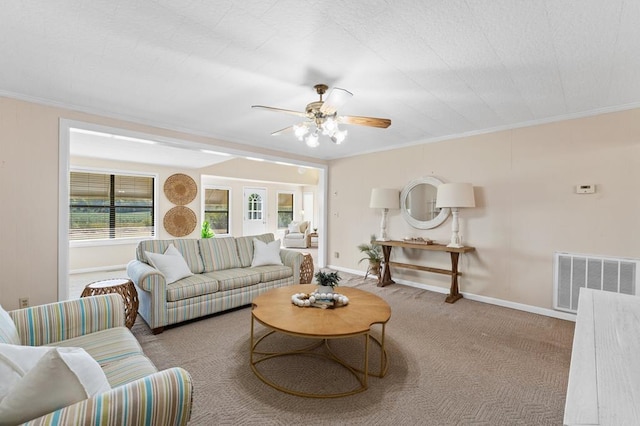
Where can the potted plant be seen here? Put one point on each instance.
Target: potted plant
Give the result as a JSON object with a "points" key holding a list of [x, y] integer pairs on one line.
{"points": [[372, 253], [327, 281], [206, 231]]}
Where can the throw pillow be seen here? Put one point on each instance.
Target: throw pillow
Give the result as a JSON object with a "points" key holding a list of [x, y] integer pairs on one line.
{"points": [[266, 253], [171, 264], [8, 331], [294, 227], [44, 379]]}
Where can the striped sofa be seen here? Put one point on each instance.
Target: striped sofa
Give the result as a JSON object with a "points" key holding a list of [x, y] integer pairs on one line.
{"points": [[139, 394], [223, 278]]}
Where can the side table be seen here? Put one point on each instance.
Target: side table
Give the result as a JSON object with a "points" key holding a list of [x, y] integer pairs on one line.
{"points": [[125, 288], [306, 269], [310, 238]]}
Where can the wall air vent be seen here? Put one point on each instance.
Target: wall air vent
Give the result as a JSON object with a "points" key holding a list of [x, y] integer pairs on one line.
{"points": [[574, 271]]}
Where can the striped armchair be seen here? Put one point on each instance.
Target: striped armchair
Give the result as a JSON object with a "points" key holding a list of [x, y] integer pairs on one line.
{"points": [[139, 395]]}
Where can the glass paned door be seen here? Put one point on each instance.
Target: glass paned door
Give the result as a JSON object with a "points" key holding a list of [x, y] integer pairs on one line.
{"points": [[255, 211]]}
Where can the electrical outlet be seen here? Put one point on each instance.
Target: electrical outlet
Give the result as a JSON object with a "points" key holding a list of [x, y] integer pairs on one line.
{"points": [[336, 254], [23, 302]]}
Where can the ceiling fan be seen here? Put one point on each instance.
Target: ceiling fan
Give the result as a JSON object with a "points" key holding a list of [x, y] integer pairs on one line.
{"points": [[323, 119]]}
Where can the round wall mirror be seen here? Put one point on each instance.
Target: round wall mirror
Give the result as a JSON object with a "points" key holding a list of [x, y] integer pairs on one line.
{"points": [[418, 203]]}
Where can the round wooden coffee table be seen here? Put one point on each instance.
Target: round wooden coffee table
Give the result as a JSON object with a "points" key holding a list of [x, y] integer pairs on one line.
{"points": [[125, 288], [275, 311]]}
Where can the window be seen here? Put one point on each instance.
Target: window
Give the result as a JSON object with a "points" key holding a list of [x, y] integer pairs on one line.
{"points": [[216, 209], [109, 206], [254, 207], [285, 209]]}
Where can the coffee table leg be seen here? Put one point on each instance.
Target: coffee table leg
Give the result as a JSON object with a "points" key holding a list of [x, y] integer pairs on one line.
{"points": [[383, 354], [251, 342]]}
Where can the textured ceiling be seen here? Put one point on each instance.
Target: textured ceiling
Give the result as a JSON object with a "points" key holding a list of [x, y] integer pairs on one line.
{"points": [[435, 68]]}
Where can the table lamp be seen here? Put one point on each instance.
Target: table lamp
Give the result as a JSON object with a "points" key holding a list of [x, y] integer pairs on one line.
{"points": [[385, 199], [455, 196]]}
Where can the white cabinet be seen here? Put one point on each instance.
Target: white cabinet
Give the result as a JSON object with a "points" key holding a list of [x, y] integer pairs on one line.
{"points": [[604, 377]]}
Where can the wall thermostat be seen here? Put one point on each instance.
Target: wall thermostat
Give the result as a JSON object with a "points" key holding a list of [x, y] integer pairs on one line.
{"points": [[585, 189]]}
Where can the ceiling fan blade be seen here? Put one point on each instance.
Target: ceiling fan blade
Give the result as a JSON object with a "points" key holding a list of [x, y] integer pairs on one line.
{"points": [[281, 131], [286, 111], [365, 121], [335, 99]]}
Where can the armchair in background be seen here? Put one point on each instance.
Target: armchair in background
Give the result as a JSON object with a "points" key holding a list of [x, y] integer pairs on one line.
{"points": [[295, 236]]}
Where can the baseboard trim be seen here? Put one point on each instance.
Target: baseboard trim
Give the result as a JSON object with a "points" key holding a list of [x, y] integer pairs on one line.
{"points": [[97, 269], [475, 297]]}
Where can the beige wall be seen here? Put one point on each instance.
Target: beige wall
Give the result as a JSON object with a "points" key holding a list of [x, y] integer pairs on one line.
{"points": [[29, 196], [237, 203], [87, 257], [526, 206], [83, 257], [524, 182], [29, 189]]}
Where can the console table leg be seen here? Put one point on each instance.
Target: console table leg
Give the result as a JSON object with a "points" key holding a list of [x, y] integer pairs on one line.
{"points": [[386, 274], [454, 294]]}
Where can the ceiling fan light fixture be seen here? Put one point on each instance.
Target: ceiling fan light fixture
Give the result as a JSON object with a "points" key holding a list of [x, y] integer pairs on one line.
{"points": [[323, 119], [339, 136], [300, 130], [329, 126], [312, 140]]}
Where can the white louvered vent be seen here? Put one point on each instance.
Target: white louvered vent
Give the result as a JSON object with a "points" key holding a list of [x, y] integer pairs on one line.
{"points": [[574, 271]]}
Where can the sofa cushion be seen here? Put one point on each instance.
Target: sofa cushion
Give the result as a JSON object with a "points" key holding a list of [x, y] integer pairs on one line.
{"points": [[189, 248], [107, 345], [273, 272], [229, 279], [266, 253], [219, 253], [245, 247], [128, 369], [47, 379], [295, 236], [8, 331], [171, 264], [193, 286]]}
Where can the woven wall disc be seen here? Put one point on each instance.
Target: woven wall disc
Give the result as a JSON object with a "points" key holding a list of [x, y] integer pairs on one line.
{"points": [[180, 221], [180, 189]]}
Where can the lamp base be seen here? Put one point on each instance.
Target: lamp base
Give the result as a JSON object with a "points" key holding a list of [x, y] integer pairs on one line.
{"points": [[455, 245], [383, 226]]}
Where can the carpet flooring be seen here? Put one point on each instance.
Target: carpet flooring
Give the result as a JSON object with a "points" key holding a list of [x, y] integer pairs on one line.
{"points": [[467, 363]]}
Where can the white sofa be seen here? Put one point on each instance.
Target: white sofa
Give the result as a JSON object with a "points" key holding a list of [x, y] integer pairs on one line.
{"points": [[296, 235]]}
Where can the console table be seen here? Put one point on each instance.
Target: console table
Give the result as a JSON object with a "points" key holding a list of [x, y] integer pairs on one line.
{"points": [[454, 293]]}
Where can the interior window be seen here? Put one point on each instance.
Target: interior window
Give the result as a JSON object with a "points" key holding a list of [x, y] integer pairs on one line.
{"points": [[216, 209], [285, 209], [110, 206]]}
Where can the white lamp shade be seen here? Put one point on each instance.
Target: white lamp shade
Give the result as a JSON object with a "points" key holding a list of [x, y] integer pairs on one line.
{"points": [[455, 195], [385, 198]]}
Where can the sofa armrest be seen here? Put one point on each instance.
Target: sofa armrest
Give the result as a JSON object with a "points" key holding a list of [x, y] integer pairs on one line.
{"points": [[292, 259], [53, 322], [146, 277], [163, 398]]}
